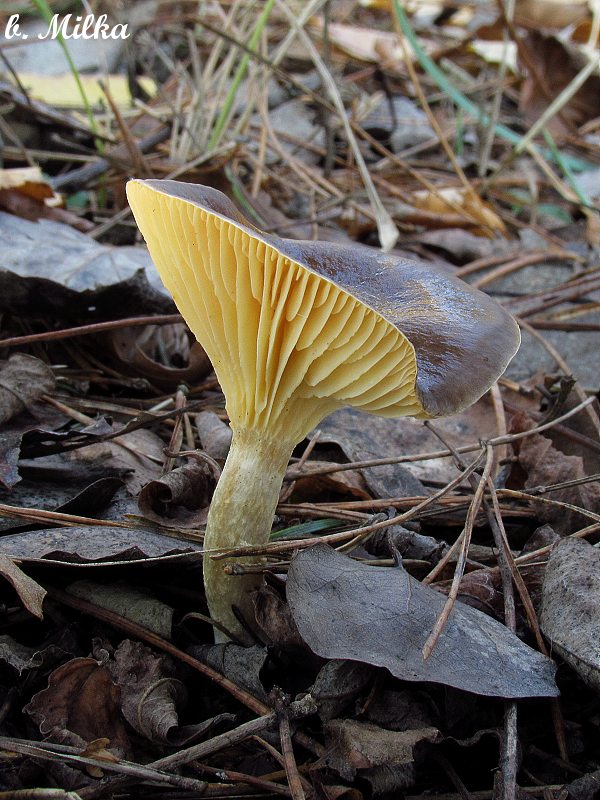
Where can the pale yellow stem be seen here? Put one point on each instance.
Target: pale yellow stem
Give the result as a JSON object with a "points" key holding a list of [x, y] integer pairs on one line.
{"points": [[241, 513]]}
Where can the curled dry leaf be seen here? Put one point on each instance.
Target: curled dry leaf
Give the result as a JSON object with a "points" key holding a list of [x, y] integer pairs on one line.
{"points": [[338, 684], [215, 435], [569, 610], [139, 350], [23, 658], [81, 698], [181, 497], [151, 696], [22, 380], [383, 616], [275, 621], [137, 455]]}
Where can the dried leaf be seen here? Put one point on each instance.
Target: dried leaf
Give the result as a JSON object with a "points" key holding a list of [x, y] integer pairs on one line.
{"points": [[466, 199], [383, 616], [356, 746], [181, 497], [100, 544], [215, 435], [558, 63], [569, 610], [150, 696], [130, 603], [30, 593], [47, 266], [138, 455], [22, 380], [138, 350], [338, 684], [545, 466], [81, 698]]}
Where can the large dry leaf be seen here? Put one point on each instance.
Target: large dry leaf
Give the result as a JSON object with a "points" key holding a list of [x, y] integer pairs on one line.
{"points": [[383, 616], [570, 602], [99, 544], [47, 266]]}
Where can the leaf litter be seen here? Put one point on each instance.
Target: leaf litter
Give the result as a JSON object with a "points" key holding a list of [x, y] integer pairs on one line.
{"points": [[104, 396]]}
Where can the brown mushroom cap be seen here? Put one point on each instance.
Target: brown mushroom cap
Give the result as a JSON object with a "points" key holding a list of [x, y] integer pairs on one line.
{"points": [[296, 329]]}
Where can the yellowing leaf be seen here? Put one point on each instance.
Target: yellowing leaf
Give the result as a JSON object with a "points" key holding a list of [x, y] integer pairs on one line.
{"points": [[445, 200], [62, 90]]}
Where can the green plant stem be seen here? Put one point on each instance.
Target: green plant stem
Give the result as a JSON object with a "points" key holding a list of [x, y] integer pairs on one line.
{"points": [[46, 13], [241, 513], [238, 77]]}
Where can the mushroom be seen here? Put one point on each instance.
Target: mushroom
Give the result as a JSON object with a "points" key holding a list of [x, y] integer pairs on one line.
{"points": [[297, 329]]}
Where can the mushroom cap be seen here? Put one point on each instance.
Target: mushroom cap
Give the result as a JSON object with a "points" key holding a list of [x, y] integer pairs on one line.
{"points": [[296, 329]]}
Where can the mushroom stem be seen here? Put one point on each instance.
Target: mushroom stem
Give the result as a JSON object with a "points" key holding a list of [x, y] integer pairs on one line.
{"points": [[241, 513]]}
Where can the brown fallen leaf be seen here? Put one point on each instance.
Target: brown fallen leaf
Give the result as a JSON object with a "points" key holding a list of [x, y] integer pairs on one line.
{"points": [[139, 350], [356, 746], [81, 698], [151, 696], [558, 63], [139, 454], [550, 14], [23, 379], [569, 611], [545, 466], [181, 497], [30, 593]]}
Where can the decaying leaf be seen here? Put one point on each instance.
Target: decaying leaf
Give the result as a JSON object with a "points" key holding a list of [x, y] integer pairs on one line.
{"points": [[98, 544], [129, 603], [137, 349], [569, 611], [82, 698], [29, 591], [22, 380], [356, 746], [181, 497], [383, 616], [545, 466], [151, 697]]}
